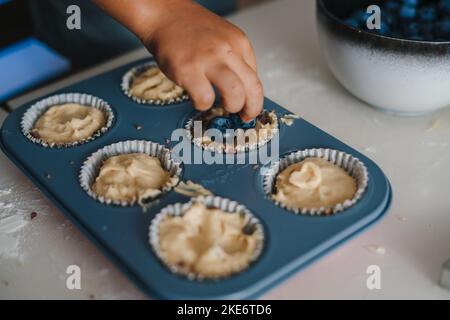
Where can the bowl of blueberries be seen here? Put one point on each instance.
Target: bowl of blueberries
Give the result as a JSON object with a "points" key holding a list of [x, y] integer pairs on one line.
{"points": [[392, 54]]}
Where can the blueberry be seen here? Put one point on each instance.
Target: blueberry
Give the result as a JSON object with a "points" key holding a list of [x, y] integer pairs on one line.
{"points": [[427, 30], [408, 13], [388, 18], [411, 3], [220, 123], [444, 6], [248, 125], [236, 120], [384, 29], [443, 29], [392, 6], [411, 29], [239, 124], [361, 16], [427, 13], [352, 22]]}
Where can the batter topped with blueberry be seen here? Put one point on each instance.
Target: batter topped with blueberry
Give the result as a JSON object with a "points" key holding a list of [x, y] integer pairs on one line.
{"points": [[236, 134], [421, 20]]}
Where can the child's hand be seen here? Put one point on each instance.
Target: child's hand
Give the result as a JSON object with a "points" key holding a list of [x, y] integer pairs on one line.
{"points": [[197, 49]]}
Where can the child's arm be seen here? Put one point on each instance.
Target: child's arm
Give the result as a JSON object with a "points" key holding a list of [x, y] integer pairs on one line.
{"points": [[196, 49]]}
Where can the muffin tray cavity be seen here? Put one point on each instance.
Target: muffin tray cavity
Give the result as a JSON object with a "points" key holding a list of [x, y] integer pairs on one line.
{"points": [[291, 241]]}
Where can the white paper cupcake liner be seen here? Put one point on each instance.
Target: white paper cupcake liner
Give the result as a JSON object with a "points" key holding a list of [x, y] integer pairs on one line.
{"points": [[227, 148], [33, 113], [223, 204], [353, 166], [91, 166], [127, 80]]}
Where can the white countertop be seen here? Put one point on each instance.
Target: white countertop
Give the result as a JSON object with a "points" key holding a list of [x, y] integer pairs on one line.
{"points": [[413, 152]]}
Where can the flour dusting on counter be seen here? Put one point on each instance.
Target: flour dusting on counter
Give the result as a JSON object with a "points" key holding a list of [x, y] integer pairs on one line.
{"points": [[16, 207], [371, 149], [376, 249]]}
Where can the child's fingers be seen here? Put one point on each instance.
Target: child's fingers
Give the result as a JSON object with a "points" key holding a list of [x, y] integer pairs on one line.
{"points": [[230, 87], [249, 55], [250, 58], [242, 46], [254, 95], [199, 90]]}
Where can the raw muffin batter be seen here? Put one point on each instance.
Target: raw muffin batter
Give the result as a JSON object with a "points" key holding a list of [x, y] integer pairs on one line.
{"points": [[265, 128], [313, 183], [131, 177], [152, 84], [68, 123], [208, 241]]}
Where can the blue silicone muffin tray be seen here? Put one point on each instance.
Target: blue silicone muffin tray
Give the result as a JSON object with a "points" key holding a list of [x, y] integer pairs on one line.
{"points": [[291, 243]]}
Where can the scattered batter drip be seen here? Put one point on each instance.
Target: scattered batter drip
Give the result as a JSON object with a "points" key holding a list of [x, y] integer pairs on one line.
{"points": [[244, 135], [191, 189]]}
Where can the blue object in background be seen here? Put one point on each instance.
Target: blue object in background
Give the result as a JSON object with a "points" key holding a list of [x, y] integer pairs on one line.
{"points": [[100, 37], [26, 64], [220, 7]]}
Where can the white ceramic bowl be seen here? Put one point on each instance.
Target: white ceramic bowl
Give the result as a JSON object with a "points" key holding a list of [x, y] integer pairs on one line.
{"points": [[403, 77]]}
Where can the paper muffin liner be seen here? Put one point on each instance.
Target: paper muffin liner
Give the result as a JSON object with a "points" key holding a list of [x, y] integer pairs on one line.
{"points": [[34, 112], [223, 204], [227, 148], [353, 166], [127, 80], [91, 166]]}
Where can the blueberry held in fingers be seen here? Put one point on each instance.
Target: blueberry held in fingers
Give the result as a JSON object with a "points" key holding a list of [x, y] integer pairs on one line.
{"points": [[238, 123], [236, 120], [248, 125], [221, 124]]}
